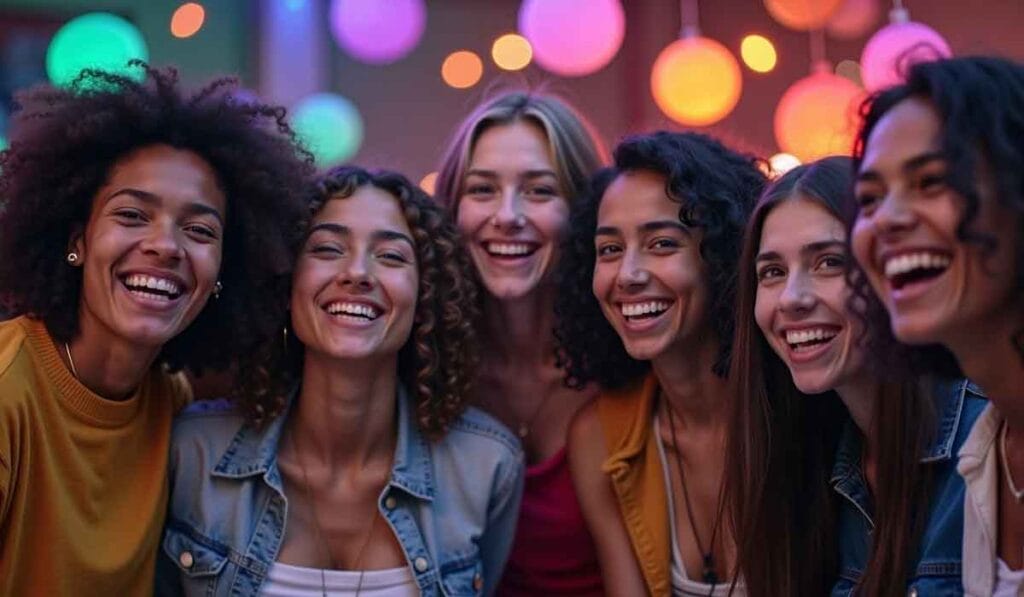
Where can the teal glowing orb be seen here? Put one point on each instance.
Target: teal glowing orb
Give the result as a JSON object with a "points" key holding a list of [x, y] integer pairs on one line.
{"points": [[95, 40], [329, 126]]}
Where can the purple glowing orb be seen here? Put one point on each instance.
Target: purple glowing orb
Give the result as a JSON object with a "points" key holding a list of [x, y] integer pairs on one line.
{"points": [[378, 31], [573, 38]]}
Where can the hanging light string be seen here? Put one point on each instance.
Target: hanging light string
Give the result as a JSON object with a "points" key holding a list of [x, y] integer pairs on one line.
{"points": [[819, 55], [689, 17], [898, 14]]}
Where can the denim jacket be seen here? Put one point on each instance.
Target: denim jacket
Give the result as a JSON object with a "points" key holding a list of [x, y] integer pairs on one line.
{"points": [[452, 504], [937, 570]]}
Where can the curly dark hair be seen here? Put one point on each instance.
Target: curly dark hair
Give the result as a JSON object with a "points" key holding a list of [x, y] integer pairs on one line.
{"points": [[980, 101], [64, 146], [437, 362], [716, 188]]}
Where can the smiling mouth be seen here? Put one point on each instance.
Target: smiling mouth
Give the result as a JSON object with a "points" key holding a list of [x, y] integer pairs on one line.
{"points": [[152, 287], [809, 339], [510, 250], [910, 268], [356, 311], [643, 311]]}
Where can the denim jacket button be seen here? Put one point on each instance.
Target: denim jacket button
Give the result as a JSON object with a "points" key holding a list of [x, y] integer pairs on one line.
{"points": [[912, 592], [421, 564], [390, 502], [186, 560], [478, 582]]}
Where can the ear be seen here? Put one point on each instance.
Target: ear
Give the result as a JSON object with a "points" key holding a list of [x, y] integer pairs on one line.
{"points": [[76, 243]]}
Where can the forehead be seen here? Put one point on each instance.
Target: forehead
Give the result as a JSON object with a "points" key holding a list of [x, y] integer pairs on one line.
{"points": [[634, 198], [368, 209], [911, 128], [168, 173], [522, 144], [798, 222]]}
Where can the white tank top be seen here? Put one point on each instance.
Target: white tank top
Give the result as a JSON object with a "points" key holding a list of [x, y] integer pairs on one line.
{"points": [[284, 580], [1009, 582]]}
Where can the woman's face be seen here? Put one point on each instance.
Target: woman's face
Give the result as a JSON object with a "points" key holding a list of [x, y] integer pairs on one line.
{"points": [[512, 210], [151, 249], [801, 304], [356, 281], [648, 276], [936, 287]]}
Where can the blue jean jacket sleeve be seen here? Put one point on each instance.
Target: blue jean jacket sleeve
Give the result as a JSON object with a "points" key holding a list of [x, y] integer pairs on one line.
{"points": [[496, 542]]}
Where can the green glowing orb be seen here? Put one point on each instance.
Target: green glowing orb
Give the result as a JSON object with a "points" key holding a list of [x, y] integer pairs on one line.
{"points": [[94, 40], [329, 126]]}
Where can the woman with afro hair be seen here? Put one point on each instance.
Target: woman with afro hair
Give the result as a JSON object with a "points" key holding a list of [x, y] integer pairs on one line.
{"points": [[646, 310], [143, 230]]}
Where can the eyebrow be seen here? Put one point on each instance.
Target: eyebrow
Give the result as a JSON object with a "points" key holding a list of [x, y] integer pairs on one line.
{"points": [[526, 174], [646, 227], [191, 208], [909, 166], [377, 235], [808, 249]]}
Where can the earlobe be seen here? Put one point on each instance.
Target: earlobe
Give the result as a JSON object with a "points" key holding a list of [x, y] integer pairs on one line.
{"points": [[76, 248]]}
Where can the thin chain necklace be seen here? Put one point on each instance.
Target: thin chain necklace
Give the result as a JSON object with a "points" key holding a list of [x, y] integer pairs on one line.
{"points": [[1018, 494], [527, 423], [71, 361], [709, 572], [325, 546]]}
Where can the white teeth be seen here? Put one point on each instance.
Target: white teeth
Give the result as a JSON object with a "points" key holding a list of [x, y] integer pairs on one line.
{"points": [[357, 309], [810, 335], [635, 309], [909, 262], [509, 248], [140, 281]]}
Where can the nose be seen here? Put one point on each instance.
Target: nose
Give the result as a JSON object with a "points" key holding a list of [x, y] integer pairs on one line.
{"points": [[632, 275], [162, 241], [798, 296], [355, 273], [893, 215], [509, 215]]}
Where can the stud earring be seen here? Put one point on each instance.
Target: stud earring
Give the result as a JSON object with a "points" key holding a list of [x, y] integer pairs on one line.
{"points": [[72, 258], [217, 288]]}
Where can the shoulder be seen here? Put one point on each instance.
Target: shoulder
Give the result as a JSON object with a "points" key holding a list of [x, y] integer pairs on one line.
{"points": [[14, 351], [960, 402], [475, 426], [204, 430], [585, 446]]}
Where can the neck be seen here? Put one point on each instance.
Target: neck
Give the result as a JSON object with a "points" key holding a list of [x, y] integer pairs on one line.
{"points": [[519, 331], [345, 415], [105, 363], [988, 356], [859, 399], [697, 396]]}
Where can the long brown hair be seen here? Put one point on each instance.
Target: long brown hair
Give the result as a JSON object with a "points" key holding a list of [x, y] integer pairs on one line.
{"points": [[783, 442]]}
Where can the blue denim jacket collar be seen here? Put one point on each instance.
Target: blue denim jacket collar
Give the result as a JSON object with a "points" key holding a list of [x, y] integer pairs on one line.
{"points": [[254, 452], [847, 478]]}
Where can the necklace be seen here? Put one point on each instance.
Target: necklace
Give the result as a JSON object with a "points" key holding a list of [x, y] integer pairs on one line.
{"points": [[71, 361], [708, 573], [525, 424], [1018, 494], [324, 546]]}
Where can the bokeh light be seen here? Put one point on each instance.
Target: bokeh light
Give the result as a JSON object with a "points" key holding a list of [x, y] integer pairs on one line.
{"points": [[893, 49], [696, 81], [329, 126], [3, 143], [817, 116], [758, 53], [512, 52], [854, 19], [187, 20], [781, 163], [850, 69], [573, 38], [94, 40], [462, 69], [378, 32], [802, 15], [429, 183]]}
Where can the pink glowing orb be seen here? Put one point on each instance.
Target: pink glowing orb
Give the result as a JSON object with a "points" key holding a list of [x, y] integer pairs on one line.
{"points": [[573, 38], [817, 117], [854, 19], [378, 32], [891, 52]]}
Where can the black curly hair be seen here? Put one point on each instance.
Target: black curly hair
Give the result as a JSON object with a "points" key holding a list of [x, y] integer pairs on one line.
{"points": [[980, 102], [716, 188], [64, 145], [437, 362]]}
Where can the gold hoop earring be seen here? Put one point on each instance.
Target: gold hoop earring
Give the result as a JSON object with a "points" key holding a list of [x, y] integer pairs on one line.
{"points": [[72, 258]]}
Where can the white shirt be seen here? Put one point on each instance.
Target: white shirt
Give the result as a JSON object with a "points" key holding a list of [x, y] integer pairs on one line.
{"points": [[284, 580]]}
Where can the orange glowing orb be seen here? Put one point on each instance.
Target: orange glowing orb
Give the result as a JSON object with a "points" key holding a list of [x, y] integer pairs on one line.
{"points": [[758, 53], [802, 15], [512, 52], [187, 20], [428, 183], [696, 81], [462, 69], [817, 117]]}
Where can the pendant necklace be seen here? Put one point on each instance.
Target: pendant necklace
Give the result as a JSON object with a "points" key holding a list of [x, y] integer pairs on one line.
{"points": [[709, 572], [1018, 494]]}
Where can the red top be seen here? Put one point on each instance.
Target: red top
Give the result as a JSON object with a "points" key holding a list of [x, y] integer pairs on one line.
{"points": [[553, 553]]}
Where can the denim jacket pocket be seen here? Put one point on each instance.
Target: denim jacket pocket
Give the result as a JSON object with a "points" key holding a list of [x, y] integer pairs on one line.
{"points": [[195, 556], [463, 575]]}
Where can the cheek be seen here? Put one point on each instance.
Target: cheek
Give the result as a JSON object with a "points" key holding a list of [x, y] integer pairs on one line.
{"points": [[604, 276], [471, 215], [764, 310], [860, 241], [206, 263], [552, 218]]}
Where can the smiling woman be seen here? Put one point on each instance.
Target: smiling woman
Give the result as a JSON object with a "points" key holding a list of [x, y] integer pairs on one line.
{"points": [[127, 206]]}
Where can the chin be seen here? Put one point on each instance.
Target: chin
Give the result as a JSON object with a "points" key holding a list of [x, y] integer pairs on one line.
{"points": [[813, 385], [510, 289], [644, 350], [911, 330]]}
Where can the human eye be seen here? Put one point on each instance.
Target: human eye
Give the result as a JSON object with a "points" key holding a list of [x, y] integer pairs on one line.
{"points": [[540, 192], [480, 190], [866, 198], [832, 262], [204, 231], [664, 243], [393, 256], [129, 216], [608, 250], [768, 273], [932, 183]]}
